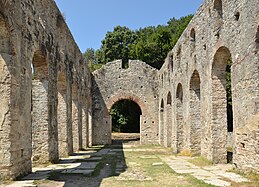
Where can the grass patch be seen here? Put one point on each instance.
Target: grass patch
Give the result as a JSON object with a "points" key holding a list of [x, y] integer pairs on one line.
{"points": [[230, 149], [38, 182], [200, 161], [161, 175], [197, 182], [106, 159], [252, 176], [185, 153]]}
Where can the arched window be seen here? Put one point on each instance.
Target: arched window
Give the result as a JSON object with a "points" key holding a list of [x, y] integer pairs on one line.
{"points": [[169, 98], [162, 105], [179, 92], [218, 7], [171, 62], [192, 35]]}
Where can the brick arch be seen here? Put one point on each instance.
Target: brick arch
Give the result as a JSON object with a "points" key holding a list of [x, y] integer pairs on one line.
{"points": [[123, 96]]}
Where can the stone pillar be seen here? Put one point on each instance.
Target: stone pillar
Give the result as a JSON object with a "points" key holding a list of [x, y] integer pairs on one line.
{"points": [[40, 127], [52, 112], [79, 110], [161, 127], [62, 125], [165, 124], [85, 130], [90, 129], [169, 125], [75, 125], [69, 112]]}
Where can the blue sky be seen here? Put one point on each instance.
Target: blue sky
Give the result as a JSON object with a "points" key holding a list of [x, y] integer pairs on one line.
{"points": [[89, 20]]}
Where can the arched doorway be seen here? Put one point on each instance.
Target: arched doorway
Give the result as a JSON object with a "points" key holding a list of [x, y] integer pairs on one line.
{"points": [[168, 124], [195, 114], [63, 137], [179, 118], [222, 115], [126, 120], [161, 123], [40, 136]]}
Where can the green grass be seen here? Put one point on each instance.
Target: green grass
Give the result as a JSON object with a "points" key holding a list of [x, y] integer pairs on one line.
{"points": [[252, 176], [200, 161], [106, 159]]}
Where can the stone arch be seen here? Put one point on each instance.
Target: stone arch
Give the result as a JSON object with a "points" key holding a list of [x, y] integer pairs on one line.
{"points": [[131, 108], [217, 5], [40, 118], [161, 122], [219, 103], [195, 114], [193, 35], [179, 119], [128, 96], [63, 137]]}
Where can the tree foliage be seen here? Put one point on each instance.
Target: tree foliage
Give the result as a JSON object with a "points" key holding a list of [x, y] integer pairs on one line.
{"points": [[149, 44]]}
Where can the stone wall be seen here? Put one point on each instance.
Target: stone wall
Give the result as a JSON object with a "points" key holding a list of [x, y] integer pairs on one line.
{"points": [[58, 107], [195, 73], [192, 110], [112, 83], [36, 104]]}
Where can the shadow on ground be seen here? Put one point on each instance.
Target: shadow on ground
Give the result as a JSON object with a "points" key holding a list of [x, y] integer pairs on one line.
{"points": [[85, 168]]}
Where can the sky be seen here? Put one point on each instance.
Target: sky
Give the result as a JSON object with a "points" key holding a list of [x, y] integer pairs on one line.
{"points": [[90, 20]]}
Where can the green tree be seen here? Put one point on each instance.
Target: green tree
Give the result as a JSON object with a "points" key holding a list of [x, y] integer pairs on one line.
{"points": [[90, 58], [149, 44], [116, 45]]}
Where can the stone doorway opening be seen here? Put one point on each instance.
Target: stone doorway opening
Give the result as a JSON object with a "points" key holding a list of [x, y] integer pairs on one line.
{"points": [[39, 108], [126, 119], [222, 110]]}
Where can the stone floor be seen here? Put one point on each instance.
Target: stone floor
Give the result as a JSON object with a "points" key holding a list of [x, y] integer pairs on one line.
{"points": [[217, 175], [84, 163]]}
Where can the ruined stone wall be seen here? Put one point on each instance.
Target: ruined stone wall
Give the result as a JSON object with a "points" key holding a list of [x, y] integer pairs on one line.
{"points": [[36, 113], [113, 83], [195, 73]]}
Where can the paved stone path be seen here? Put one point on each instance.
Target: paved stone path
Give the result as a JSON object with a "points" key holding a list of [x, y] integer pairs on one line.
{"points": [[85, 162], [217, 175]]}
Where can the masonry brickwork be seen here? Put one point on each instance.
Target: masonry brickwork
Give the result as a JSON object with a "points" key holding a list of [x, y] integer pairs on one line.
{"points": [[192, 90], [111, 84], [39, 104], [58, 107]]}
